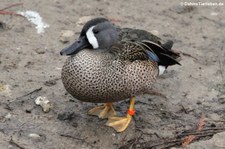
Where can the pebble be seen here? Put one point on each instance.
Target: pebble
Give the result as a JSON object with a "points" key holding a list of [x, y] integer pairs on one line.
{"points": [[66, 116], [50, 83], [34, 135], [84, 19], [8, 116], [155, 32], [221, 99], [66, 35], [40, 51], [3, 26], [5, 90]]}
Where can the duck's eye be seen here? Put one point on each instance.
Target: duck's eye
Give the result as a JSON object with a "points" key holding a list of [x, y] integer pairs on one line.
{"points": [[95, 31]]}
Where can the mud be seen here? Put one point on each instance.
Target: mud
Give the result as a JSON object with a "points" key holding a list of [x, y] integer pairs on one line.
{"points": [[30, 66]]}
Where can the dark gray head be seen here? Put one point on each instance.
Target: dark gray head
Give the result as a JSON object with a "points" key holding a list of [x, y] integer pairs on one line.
{"points": [[96, 34]]}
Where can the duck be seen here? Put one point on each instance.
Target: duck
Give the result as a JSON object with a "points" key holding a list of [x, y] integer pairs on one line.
{"points": [[104, 66]]}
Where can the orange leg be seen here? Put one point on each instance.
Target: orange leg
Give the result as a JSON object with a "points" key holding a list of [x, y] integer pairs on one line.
{"points": [[103, 111], [121, 123]]}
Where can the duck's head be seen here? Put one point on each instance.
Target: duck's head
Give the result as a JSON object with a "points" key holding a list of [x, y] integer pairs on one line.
{"points": [[96, 34]]}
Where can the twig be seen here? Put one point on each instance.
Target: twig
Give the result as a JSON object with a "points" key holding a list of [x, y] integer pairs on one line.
{"points": [[10, 13], [204, 131], [188, 55], [36, 90], [190, 138], [7, 107], [164, 144], [177, 141], [208, 132], [10, 6], [80, 139], [131, 143], [221, 24], [155, 93], [183, 108], [115, 20], [201, 123], [221, 67], [15, 143], [69, 136], [4, 12]]}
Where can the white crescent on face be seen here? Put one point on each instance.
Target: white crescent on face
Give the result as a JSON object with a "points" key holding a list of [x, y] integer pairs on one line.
{"points": [[91, 38]]}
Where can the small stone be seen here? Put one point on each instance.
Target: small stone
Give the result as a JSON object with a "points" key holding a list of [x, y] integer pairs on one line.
{"points": [[155, 32], [66, 116], [66, 35], [84, 19], [8, 116], [29, 108], [199, 102], [3, 26], [5, 90], [221, 99], [29, 64], [40, 51], [34, 135], [50, 83], [214, 117]]}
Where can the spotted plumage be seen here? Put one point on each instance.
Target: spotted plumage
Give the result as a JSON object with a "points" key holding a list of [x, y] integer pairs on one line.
{"points": [[104, 67]]}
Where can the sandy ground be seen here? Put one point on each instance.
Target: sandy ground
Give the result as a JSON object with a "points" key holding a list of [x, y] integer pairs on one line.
{"points": [[30, 66]]}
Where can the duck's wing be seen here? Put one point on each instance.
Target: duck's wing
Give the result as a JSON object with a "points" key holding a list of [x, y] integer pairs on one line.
{"points": [[145, 50], [164, 52], [129, 51]]}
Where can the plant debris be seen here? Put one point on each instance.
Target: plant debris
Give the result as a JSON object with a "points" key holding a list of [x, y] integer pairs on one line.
{"points": [[44, 103]]}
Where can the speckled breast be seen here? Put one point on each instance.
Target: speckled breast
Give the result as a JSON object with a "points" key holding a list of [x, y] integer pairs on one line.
{"points": [[93, 76]]}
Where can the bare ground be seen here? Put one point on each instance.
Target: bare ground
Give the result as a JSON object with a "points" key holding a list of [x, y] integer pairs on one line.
{"points": [[30, 67]]}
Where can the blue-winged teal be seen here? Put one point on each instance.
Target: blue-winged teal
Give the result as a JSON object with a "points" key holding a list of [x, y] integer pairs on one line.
{"points": [[102, 69]]}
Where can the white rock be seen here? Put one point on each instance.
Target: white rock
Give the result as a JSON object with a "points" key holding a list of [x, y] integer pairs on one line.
{"points": [[8, 116], [5, 90], [34, 135]]}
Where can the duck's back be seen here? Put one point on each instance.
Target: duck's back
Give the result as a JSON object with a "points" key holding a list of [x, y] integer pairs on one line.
{"points": [[136, 35]]}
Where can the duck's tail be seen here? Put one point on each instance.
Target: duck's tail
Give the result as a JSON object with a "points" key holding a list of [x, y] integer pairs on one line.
{"points": [[165, 55]]}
